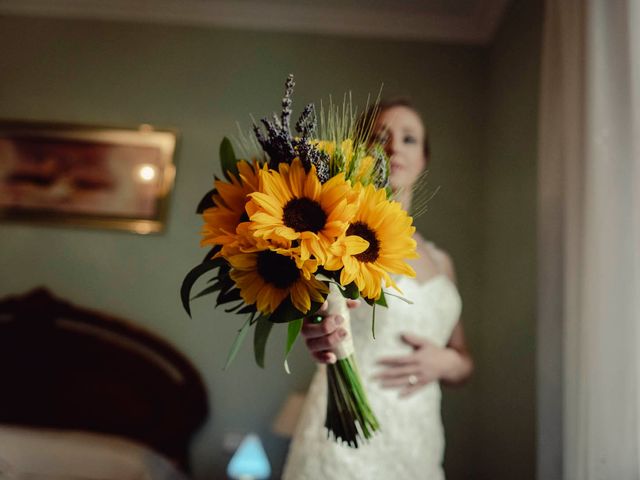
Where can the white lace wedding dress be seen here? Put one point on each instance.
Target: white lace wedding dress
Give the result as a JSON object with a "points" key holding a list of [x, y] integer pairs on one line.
{"points": [[410, 443]]}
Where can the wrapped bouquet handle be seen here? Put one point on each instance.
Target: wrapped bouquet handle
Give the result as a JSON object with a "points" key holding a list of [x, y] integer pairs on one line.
{"points": [[349, 415], [337, 305]]}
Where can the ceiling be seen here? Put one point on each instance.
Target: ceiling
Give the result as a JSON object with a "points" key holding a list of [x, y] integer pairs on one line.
{"points": [[453, 21]]}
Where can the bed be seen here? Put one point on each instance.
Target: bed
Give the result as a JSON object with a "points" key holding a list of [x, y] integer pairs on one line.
{"points": [[84, 395]]}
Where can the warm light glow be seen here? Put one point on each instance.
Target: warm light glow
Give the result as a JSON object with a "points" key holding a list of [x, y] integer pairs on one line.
{"points": [[147, 172], [143, 228]]}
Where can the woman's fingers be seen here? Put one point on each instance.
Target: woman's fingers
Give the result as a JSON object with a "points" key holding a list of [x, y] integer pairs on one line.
{"points": [[414, 341], [353, 304], [402, 372], [326, 342], [398, 361], [399, 382], [327, 326], [325, 356], [324, 335]]}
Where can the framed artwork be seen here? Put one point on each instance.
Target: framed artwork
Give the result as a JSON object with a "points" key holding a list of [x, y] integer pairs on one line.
{"points": [[86, 175]]}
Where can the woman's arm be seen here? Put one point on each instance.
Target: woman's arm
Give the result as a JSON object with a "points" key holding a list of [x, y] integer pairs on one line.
{"points": [[451, 365], [459, 366]]}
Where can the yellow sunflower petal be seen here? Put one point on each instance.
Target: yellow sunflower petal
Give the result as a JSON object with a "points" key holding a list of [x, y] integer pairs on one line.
{"points": [[243, 261], [300, 297], [268, 203]]}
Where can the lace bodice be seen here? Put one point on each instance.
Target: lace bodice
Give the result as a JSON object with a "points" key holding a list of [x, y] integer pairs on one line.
{"points": [[410, 444]]}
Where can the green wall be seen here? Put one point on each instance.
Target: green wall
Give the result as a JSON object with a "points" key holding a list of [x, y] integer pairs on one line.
{"points": [[201, 81], [507, 417]]}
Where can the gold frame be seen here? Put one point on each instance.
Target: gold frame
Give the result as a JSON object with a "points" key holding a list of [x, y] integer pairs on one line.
{"points": [[164, 140]]}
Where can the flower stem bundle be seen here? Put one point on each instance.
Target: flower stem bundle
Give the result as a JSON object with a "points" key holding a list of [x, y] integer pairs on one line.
{"points": [[349, 415]]}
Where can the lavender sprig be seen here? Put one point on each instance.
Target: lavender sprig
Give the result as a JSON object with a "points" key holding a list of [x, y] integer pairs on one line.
{"points": [[307, 123], [280, 145], [278, 142], [287, 101], [309, 155]]}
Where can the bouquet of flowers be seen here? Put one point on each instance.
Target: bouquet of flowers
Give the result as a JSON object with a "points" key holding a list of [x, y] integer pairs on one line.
{"points": [[307, 219]]}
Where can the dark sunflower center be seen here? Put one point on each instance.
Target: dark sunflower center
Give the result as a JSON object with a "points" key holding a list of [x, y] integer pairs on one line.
{"points": [[362, 230], [276, 269], [304, 215]]}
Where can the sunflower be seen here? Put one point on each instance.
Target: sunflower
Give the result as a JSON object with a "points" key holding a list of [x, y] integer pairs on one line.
{"points": [[267, 277], [224, 223], [293, 206], [376, 244]]}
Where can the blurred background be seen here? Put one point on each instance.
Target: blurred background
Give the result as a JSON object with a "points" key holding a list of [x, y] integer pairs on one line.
{"points": [[470, 66]]}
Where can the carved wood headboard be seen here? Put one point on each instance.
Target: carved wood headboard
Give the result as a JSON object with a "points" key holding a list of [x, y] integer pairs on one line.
{"points": [[67, 367]]}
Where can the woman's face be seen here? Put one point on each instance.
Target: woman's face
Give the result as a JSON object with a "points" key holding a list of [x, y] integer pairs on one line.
{"points": [[400, 130]]}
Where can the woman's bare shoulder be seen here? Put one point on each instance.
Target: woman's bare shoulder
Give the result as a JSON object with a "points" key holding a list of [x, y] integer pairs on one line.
{"points": [[439, 256]]}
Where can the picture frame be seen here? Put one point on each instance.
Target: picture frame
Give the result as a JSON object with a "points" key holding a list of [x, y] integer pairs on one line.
{"points": [[86, 176]]}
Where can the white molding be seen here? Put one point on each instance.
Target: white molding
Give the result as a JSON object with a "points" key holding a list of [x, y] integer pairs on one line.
{"points": [[475, 29]]}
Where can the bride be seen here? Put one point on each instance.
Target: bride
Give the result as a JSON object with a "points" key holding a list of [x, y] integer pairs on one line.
{"points": [[417, 348]]}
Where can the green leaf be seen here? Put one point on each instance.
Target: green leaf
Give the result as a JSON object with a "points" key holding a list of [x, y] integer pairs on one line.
{"points": [[260, 336], [211, 253], [234, 308], [191, 277], [382, 301], [373, 321], [229, 296], [228, 160], [207, 291], [351, 291], [206, 202], [242, 333], [329, 274], [247, 309], [293, 331], [285, 312], [405, 300]]}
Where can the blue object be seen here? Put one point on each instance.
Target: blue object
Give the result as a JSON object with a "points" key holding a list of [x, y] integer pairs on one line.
{"points": [[250, 460]]}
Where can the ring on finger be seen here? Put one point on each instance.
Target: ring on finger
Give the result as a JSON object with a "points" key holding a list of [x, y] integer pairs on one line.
{"points": [[412, 380], [316, 319]]}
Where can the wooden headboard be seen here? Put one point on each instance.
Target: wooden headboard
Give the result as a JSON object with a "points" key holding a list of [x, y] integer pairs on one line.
{"points": [[67, 367]]}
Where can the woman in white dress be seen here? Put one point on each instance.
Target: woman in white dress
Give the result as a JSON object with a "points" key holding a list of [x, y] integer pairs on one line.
{"points": [[417, 348]]}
